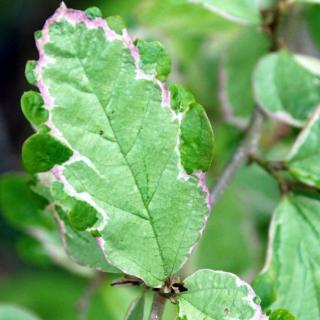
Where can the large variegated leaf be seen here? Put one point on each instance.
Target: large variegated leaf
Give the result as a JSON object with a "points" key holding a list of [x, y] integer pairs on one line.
{"points": [[304, 157], [291, 277], [218, 295], [240, 11], [124, 160], [287, 86]]}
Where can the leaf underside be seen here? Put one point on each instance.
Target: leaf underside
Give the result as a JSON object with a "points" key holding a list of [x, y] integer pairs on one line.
{"points": [[305, 154], [218, 295], [108, 108], [287, 87], [291, 278], [240, 11]]}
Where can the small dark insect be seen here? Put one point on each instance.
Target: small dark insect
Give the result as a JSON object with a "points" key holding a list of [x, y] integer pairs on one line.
{"points": [[226, 310], [101, 132]]}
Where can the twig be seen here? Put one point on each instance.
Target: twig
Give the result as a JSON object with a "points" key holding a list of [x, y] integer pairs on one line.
{"points": [[274, 168], [157, 306], [241, 155], [90, 290]]}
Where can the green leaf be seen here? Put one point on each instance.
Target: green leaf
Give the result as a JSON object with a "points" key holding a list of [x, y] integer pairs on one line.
{"points": [[312, 18], [136, 309], [125, 139], [239, 62], [304, 158], [32, 251], [30, 72], [196, 140], [287, 87], [30, 215], [12, 312], [281, 314], [116, 23], [20, 206], [32, 108], [82, 216], [42, 151], [93, 12], [154, 59], [218, 295], [293, 260], [240, 11]]}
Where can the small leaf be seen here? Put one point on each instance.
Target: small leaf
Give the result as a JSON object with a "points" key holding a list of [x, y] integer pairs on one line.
{"points": [[181, 99], [116, 23], [304, 158], [83, 216], [287, 87], [93, 12], [32, 108], [13, 312], [293, 259], [196, 140], [154, 58], [136, 309], [107, 105], [218, 295], [281, 314], [42, 151], [30, 72], [240, 11]]}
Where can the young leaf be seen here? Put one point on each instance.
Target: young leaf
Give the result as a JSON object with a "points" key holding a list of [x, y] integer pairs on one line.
{"points": [[136, 309], [281, 314], [218, 295], [305, 154], [125, 139], [240, 11], [287, 87], [13, 312], [290, 278], [32, 108]]}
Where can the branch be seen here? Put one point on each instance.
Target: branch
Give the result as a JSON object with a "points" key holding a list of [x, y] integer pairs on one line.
{"points": [[241, 155], [157, 307], [275, 168]]}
